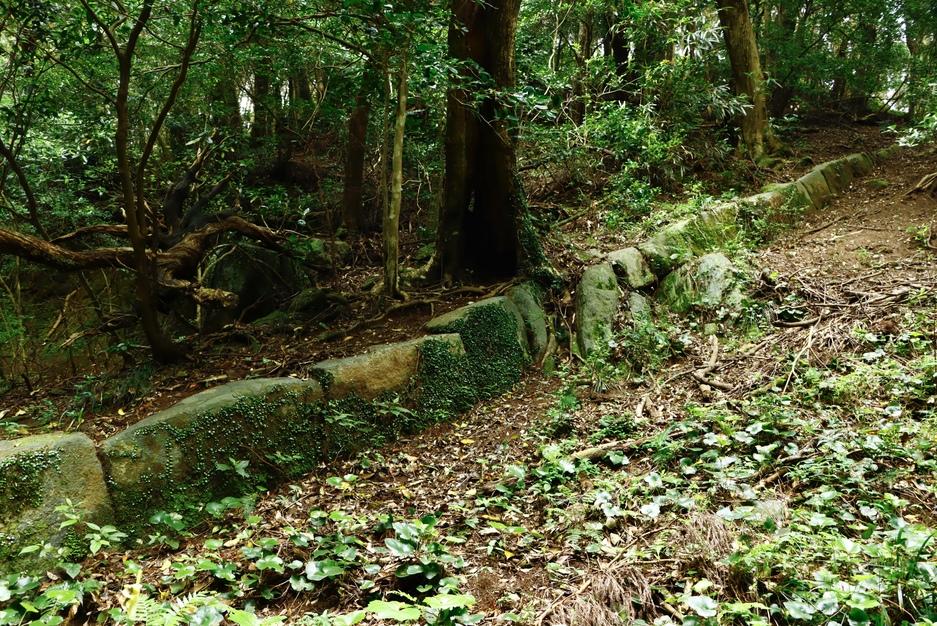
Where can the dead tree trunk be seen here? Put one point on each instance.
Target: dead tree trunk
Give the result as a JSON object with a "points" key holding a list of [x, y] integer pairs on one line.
{"points": [[746, 74], [480, 218]]}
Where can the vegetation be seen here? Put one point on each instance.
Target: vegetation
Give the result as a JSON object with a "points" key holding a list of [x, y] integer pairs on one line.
{"points": [[202, 192]]}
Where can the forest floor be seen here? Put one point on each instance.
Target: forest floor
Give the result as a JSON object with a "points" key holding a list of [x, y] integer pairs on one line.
{"points": [[770, 471]]}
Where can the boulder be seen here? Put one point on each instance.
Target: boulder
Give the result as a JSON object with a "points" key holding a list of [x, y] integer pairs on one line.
{"points": [[632, 266], [171, 459], [262, 279], [709, 283], [639, 309], [38, 474], [818, 190], [679, 242], [382, 369], [598, 299], [526, 297]]}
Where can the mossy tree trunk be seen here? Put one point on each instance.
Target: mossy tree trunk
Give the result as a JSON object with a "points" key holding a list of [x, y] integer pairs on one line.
{"points": [[577, 108], [746, 74], [483, 209]]}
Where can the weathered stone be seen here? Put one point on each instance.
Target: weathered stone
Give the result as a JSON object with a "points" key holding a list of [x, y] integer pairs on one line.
{"points": [[633, 267], [818, 190], [679, 242], [598, 299], [709, 282], [450, 322], [262, 279], [170, 459], [886, 154], [38, 474], [838, 175], [638, 307], [385, 368], [526, 298], [860, 163]]}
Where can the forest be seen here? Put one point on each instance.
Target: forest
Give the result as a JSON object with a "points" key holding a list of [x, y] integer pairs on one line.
{"points": [[543, 312]]}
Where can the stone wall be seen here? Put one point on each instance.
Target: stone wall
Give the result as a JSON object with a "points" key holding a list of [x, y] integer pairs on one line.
{"points": [[194, 452]]}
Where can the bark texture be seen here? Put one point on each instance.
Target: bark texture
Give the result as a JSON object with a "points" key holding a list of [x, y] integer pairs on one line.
{"points": [[746, 73], [483, 206]]}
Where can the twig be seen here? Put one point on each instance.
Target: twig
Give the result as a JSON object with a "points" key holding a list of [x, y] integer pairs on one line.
{"points": [[803, 351]]}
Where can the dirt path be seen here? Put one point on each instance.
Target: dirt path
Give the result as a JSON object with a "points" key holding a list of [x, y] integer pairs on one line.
{"points": [[543, 538]]}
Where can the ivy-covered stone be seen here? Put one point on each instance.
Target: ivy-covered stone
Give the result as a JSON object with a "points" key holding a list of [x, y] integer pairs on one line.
{"points": [[382, 369], [37, 475], [452, 321], [184, 454], [632, 266], [710, 283], [598, 300]]}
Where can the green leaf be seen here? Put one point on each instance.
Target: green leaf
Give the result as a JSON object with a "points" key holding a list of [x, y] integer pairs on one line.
{"points": [[398, 548], [320, 570], [799, 610], [450, 601], [397, 611], [704, 606]]}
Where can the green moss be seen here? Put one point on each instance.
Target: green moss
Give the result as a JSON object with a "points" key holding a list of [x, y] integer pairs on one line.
{"points": [[493, 362], [21, 479]]}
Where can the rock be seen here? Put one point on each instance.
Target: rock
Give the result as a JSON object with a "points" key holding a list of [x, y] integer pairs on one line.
{"points": [[320, 253], [710, 282], [314, 302], [452, 321], [886, 154], [679, 242], [860, 163], [838, 175], [818, 190], [526, 297], [638, 307], [262, 279], [38, 474], [598, 299], [494, 334], [633, 267], [169, 460], [386, 368]]}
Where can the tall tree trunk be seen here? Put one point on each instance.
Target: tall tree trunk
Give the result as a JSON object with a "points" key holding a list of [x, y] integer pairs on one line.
{"points": [[746, 74], [483, 209], [163, 348], [577, 108], [392, 215], [262, 97], [353, 215]]}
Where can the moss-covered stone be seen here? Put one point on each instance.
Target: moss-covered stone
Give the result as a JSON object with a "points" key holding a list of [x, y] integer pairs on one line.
{"points": [[598, 300], [170, 459], [527, 298], [838, 174], [37, 475], [818, 190], [860, 163], [632, 266], [382, 369], [708, 283], [679, 242], [496, 353]]}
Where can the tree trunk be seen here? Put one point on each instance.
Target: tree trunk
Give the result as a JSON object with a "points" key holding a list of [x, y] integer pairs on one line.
{"points": [[163, 348], [481, 215], [746, 74], [392, 215], [262, 97], [353, 214], [577, 108]]}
